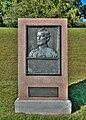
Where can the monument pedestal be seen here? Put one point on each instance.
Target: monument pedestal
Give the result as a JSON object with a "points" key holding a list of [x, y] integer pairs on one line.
{"points": [[43, 106], [42, 66]]}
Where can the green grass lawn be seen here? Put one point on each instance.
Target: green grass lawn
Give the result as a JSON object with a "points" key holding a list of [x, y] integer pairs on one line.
{"points": [[9, 76]]}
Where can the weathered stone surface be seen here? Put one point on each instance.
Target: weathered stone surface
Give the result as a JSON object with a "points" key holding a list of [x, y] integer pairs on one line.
{"points": [[43, 106], [27, 28]]}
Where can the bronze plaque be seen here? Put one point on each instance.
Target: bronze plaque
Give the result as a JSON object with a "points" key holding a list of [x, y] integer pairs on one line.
{"points": [[43, 91], [43, 50]]}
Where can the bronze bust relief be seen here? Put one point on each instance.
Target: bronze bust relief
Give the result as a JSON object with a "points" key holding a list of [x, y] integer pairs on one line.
{"points": [[43, 51]]}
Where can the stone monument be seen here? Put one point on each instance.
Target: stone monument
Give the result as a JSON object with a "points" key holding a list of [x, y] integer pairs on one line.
{"points": [[42, 66]]}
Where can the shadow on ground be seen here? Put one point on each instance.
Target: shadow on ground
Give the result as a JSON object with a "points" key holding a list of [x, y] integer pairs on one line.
{"points": [[77, 95]]}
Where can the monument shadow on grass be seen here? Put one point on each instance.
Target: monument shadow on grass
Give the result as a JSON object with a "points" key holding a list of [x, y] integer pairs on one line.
{"points": [[77, 95]]}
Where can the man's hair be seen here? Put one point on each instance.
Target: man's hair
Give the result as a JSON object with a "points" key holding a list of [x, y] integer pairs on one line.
{"points": [[45, 32]]}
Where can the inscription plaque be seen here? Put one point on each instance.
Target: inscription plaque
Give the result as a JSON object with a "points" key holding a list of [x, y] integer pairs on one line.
{"points": [[43, 66], [43, 91]]}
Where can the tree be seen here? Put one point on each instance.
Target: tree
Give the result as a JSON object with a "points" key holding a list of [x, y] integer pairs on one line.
{"points": [[31, 9], [1, 21], [72, 17], [84, 11], [71, 9]]}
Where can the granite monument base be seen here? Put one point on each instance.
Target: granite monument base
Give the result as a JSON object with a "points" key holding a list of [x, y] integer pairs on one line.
{"points": [[43, 106]]}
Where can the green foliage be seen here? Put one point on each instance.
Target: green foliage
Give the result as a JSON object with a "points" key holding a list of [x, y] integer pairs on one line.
{"points": [[84, 11], [1, 21], [0, 6], [41, 8], [72, 17], [77, 95], [71, 9], [31, 9], [80, 24]]}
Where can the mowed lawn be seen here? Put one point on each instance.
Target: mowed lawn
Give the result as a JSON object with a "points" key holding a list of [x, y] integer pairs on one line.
{"points": [[76, 54], [9, 76]]}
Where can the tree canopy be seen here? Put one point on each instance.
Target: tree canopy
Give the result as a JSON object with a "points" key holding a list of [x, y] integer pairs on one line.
{"points": [[11, 10]]}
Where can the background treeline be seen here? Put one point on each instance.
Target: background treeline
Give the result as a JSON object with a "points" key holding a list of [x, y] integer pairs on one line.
{"points": [[11, 10]]}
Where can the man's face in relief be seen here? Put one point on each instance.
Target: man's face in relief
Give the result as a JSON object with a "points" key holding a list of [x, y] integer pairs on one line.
{"points": [[41, 38]]}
